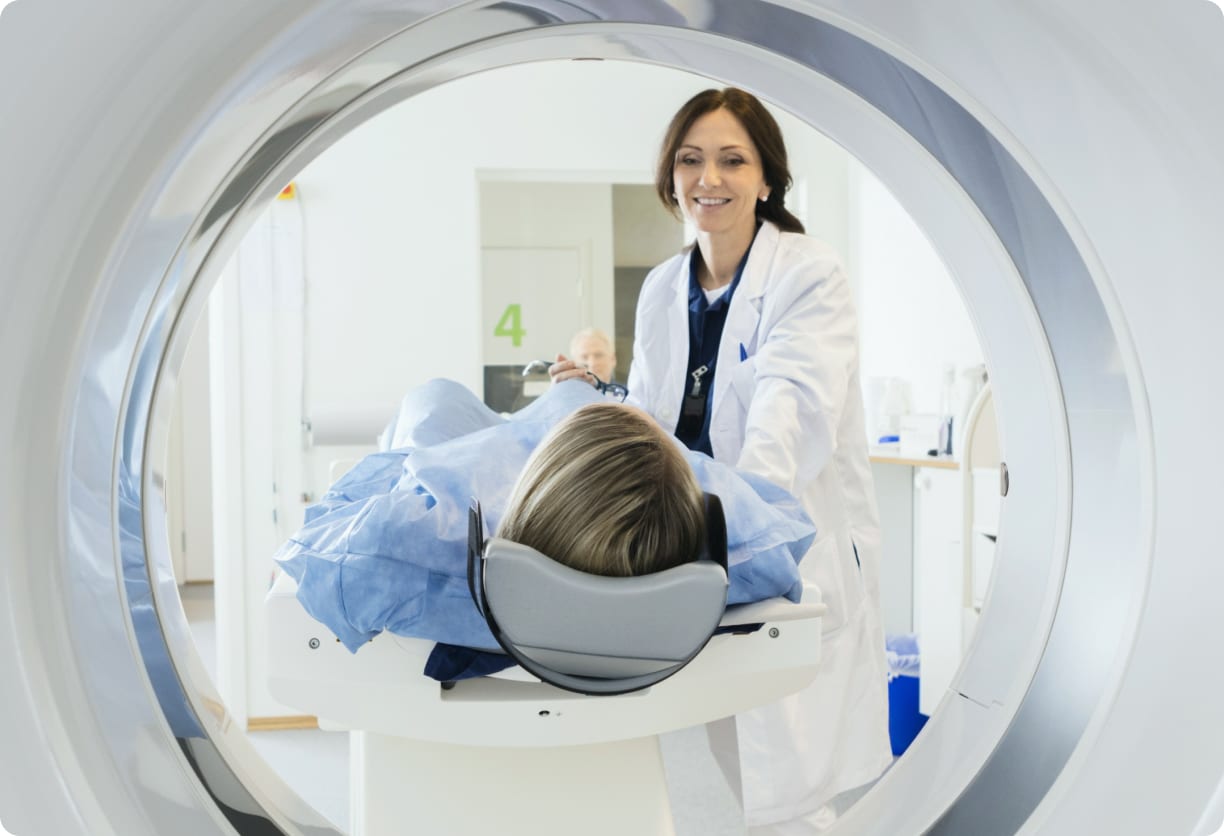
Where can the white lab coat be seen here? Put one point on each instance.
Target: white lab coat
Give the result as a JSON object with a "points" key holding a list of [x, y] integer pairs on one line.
{"points": [[793, 413]]}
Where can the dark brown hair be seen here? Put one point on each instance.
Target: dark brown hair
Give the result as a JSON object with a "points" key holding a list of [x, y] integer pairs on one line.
{"points": [[765, 134]]}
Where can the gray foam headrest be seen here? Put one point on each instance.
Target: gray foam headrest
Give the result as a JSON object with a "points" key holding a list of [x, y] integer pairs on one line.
{"points": [[595, 634]]}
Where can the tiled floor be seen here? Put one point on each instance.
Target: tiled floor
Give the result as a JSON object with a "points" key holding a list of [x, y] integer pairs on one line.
{"points": [[702, 802], [315, 763]]}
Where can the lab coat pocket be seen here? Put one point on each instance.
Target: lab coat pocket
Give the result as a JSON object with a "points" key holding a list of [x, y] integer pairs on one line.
{"points": [[822, 565], [743, 381]]}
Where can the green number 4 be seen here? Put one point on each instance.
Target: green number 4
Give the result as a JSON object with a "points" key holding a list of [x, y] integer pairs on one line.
{"points": [[511, 325]]}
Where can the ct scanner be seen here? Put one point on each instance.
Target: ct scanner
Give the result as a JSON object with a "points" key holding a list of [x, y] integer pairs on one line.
{"points": [[1064, 158]]}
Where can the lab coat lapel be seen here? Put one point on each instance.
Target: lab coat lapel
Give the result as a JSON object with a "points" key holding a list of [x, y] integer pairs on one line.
{"points": [[744, 314], [676, 374]]}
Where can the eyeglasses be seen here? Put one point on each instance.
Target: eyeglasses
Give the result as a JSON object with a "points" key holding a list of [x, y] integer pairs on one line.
{"points": [[610, 390], [606, 388]]}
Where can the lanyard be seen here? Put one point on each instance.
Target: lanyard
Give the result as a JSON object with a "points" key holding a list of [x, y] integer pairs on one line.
{"points": [[705, 329]]}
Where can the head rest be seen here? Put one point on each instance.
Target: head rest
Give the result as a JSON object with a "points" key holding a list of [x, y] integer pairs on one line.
{"points": [[591, 633]]}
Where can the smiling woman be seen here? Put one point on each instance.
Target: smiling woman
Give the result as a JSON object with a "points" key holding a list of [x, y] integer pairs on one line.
{"points": [[753, 331]]}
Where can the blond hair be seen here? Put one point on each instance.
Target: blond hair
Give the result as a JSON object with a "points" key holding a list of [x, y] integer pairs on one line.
{"points": [[608, 492]]}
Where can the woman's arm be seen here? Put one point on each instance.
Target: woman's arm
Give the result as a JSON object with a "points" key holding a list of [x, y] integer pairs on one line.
{"points": [[802, 371]]}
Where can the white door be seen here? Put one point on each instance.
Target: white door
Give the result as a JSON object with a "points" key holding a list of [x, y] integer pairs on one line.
{"points": [[189, 467], [531, 302]]}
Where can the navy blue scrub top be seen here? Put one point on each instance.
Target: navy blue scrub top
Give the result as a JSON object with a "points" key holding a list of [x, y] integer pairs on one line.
{"points": [[706, 320]]}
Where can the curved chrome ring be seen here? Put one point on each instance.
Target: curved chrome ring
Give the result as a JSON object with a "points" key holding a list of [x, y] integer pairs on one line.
{"points": [[1027, 226], [1074, 403]]}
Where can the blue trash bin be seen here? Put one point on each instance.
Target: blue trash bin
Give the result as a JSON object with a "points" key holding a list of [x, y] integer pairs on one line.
{"points": [[904, 718]]}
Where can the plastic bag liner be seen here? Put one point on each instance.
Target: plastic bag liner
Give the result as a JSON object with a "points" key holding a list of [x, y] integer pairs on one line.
{"points": [[902, 652]]}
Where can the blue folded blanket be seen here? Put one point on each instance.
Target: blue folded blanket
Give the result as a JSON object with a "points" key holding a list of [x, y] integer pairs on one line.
{"points": [[386, 547]]}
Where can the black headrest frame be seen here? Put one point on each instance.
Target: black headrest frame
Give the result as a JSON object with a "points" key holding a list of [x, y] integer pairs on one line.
{"points": [[714, 541], [476, 544]]}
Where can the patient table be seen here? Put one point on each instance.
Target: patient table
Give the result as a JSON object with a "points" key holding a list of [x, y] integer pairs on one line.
{"points": [[508, 754]]}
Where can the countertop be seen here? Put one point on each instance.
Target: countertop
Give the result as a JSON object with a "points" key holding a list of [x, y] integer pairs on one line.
{"points": [[891, 455]]}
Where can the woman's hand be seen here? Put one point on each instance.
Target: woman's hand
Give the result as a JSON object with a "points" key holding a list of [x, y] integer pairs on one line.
{"points": [[566, 369]]}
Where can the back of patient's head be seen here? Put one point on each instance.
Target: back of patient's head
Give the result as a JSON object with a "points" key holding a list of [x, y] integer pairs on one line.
{"points": [[608, 492]]}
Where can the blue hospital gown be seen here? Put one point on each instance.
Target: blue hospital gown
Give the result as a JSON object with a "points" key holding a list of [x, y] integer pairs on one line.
{"points": [[386, 547]]}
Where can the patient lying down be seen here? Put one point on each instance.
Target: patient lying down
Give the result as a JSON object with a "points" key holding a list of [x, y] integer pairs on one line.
{"points": [[596, 485], [608, 492]]}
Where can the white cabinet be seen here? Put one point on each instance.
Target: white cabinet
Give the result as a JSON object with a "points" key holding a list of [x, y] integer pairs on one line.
{"points": [[939, 580], [922, 584], [950, 581], [894, 490], [947, 514]]}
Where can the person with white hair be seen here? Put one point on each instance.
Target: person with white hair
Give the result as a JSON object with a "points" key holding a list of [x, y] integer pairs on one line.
{"points": [[593, 350]]}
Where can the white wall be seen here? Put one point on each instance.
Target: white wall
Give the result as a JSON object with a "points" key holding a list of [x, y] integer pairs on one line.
{"points": [[912, 318], [392, 214]]}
